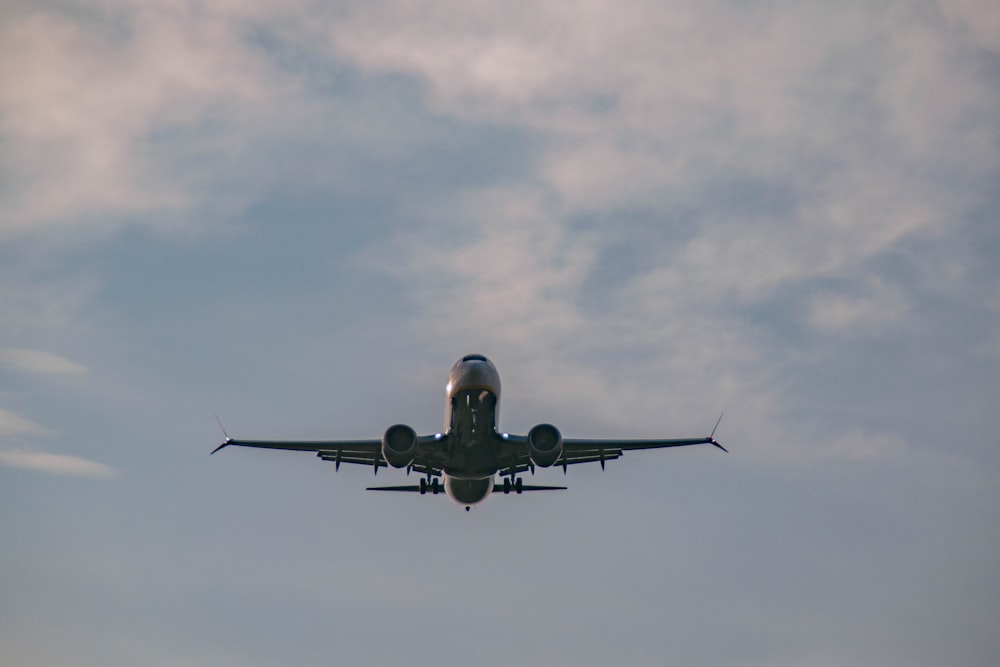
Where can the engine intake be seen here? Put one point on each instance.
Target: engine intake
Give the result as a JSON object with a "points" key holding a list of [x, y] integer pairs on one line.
{"points": [[399, 445], [545, 445]]}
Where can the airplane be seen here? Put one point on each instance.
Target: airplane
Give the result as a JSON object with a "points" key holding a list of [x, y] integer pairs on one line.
{"points": [[470, 452]]}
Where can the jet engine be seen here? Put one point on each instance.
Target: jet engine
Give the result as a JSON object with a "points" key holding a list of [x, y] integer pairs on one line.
{"points": [[545, 445], [399, 445]]}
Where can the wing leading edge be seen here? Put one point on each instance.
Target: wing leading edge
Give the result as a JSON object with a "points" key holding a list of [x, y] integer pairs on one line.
{"points": [[428, 458], [579, 450], [583, 450], [579, 445], [591, 450]]}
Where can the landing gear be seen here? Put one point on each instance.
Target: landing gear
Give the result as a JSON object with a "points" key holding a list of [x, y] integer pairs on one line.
{"points": [[512, 484], [430, 486]]}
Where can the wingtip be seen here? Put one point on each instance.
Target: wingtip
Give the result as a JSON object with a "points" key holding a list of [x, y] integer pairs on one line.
{"points": [[224, 435], [716, 427], [711, 437]]}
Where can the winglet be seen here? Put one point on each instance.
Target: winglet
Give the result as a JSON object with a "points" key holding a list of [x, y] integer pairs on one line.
{"points": [[224, 434], [711, 437]]}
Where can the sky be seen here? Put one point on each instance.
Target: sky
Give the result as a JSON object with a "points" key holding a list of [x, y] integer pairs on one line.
{"points": [[298, 215]]}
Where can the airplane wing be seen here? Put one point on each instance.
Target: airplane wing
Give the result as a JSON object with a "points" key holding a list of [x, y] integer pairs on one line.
{"points": [[429, 457], [579, 450]]}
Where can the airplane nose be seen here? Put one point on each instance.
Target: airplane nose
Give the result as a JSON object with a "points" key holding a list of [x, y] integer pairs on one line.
{"points": [[474, 373]]}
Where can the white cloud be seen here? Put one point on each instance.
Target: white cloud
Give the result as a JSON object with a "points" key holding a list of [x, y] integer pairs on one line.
{"points": [[505, 261], [113, 116], [14, 424], [857, 128], [979, 18], [879, 305], [641, 105], [55, 464], [39, 361], [848, 132], [647, 106]]}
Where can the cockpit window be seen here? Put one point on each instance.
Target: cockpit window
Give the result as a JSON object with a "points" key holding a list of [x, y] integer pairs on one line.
{"points": [[474, 357]]}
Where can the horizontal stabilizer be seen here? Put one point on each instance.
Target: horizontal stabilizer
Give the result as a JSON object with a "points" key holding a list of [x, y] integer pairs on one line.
{"points": [[413, 488], [530, 487]]}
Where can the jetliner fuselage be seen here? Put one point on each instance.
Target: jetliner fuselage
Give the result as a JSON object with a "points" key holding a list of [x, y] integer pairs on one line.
{"points": [[473, 397]]}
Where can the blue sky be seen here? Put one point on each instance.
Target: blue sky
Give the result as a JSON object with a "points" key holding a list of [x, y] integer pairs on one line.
{"points": [[298, 216]]}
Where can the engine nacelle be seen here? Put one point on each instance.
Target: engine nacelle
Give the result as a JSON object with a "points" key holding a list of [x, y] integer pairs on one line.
{"points": [[545, 445], [399, 445]]}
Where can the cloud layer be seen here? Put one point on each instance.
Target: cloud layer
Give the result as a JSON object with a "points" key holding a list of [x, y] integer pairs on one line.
{"points": [[39, 361], [689, 167], [299, 215], [14, 424], [55, 464]]}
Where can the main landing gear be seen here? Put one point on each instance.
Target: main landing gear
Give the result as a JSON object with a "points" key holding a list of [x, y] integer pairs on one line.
{"points": [[512, 484], [430, 486]]}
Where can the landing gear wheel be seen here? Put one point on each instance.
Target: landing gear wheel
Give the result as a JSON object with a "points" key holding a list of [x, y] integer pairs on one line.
{"points": [[518, 485]]}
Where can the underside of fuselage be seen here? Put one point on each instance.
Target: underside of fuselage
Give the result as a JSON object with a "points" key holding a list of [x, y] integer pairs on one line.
{"points": [[473, 397], [468, 492], [472, 446]]}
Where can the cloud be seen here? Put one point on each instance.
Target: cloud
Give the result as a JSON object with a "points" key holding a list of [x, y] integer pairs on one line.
{"points": [[977, 17], [127, 113], [713, 192], [691, 170], [39, 361], [520, 276], [14, 424], [653, 107], [877, 306], [55, 464], [130, 114]]}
